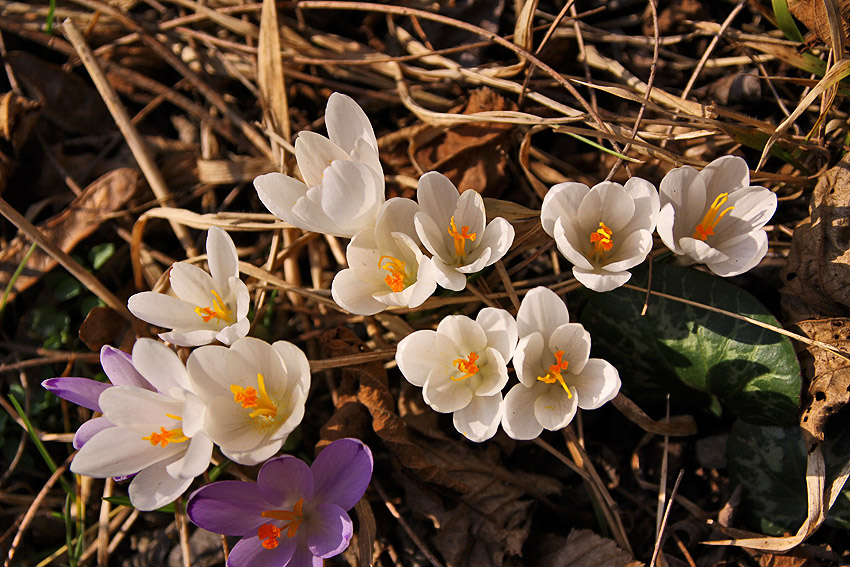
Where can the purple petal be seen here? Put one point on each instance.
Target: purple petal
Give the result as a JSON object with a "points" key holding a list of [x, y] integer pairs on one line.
{"points": [[229, 507], [89, 429], [118, 365], [330, 530], [282, 481], [81, 391], [249, 552], [303, 558], [342, 472]]}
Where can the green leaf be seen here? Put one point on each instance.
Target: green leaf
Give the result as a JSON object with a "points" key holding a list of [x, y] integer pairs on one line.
{"points": [[687, 350], [785, 21], [770, 463], [100, 254]]}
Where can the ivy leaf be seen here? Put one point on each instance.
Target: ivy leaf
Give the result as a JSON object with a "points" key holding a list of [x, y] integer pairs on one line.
{"points": [[707, 357]]}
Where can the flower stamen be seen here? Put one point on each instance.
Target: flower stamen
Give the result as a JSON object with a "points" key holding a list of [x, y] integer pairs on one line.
{"points": [[218, 310], [460, 238], [255, 398], [554, 374], [397, 273], [602, 239], [166, 436], [706, 228], [466, 365], [293, 519]]}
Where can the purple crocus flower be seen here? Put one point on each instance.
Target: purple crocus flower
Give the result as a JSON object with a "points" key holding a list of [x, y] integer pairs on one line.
{"points": [[294, 515], [118, 366]]}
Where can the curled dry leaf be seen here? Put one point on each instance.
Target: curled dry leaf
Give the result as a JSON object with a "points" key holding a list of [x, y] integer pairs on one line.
{"points": [[814, 16], [17, 116], [583, 548], [364, 392], [827, 372], [83, 216], [490, 523], [817, 274]]}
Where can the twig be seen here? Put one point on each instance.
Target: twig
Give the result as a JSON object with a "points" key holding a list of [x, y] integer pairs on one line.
{"points": [[660, 538]]}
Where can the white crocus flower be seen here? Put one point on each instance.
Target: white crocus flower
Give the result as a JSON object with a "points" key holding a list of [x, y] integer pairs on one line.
{"points": [[343, 184], [556, 377], [715, 217], [451, 226], [462, 368], [604, 230], [386, 265], [158, 436], [208, 307], [254, 394]]}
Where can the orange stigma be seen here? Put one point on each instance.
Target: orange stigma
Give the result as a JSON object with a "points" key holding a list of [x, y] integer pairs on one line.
{"points": [[396, 269], [251, 398], [554, 374], [166, 436], [602, 239], [270, 533], [218, 310], [706, 228], [460, 238], [466, 365]]}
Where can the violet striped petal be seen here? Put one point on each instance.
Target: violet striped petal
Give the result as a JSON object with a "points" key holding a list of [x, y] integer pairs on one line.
{"points": [[118, 366], [282, 481], [89, 429], [81, 391]]}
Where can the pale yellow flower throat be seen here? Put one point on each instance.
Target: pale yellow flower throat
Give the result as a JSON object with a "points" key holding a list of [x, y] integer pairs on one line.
{"points": [[397, 273], [166, 436], [218, 310]]}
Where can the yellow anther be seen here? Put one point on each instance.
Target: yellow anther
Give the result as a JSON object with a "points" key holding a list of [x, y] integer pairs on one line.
{"points": [[257, 399], [466, 365], [166, 436], [460, 238], [554, 374], [218, 310], [397, 273], [602, 239], [706, 228]]}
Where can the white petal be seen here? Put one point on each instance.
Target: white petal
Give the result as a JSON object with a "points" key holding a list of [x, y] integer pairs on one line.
{"points": [[193, 285], [574, 340], [116, 451], [448, 276], [432, 237], [500, 329], [351, 293], [196, 459], [221, 256], [528, 359], [541, 311], [153, 487], [347, 123], [163, 310], [631, 251], [396, 216], [753, 208], [744, 253], [348, 197], [415, 355], [480, 419], [426, 283], [700, 251], [207, 369], [138, 409], [458, 334], [646, 201], [159, 365], [607, 202], [444, 394], [555, 409], [600, 281], [253, 456], [470, 213], [724, 175], [561, 201], [666, 219], [437, 197], [565, 245], [232, 333], [685, 189], [498, 237], [314, 153], [518, 420], [279, 193], [493, 374], [596, 384], [296, 363]]}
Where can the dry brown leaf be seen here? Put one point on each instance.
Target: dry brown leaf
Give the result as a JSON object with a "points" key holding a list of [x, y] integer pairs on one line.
{"points": [[270, 76], [364, 392], [471, 155], [83, 216], [367, 533], [101, 327], [813, 14], [828, 373], [17, 116], [584, 548], [817, 274], [490, 522]]}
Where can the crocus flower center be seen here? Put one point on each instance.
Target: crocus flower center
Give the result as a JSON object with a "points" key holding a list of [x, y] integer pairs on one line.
{"points": [[554, 374], [270, 533], [706, 228], [166, 436], [397, 272], [257, 399], [218, 310], [466, 365], [602, 239], [460, 238]]}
